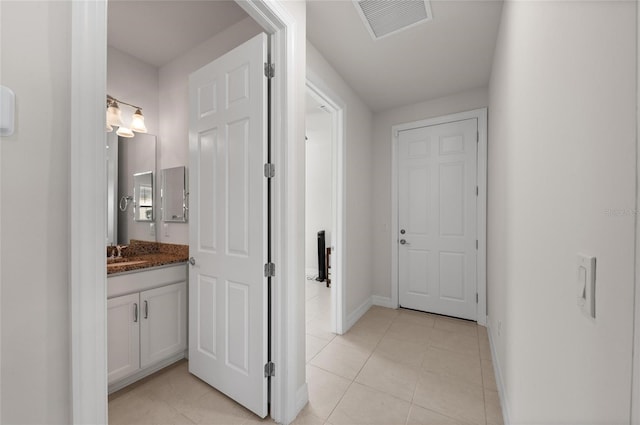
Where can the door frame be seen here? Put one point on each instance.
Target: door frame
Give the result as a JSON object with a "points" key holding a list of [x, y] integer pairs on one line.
{"points": [[88, 283], [336, 107], [481, 268]]}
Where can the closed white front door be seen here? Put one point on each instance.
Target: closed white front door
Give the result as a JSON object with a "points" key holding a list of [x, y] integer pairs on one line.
{"points": [[437, 227], [228, 225]]}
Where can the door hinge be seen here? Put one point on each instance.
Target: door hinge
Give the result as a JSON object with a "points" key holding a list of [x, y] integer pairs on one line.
{"points": [[477, 137], [476, 244], [269, 369], [476, 298], [269, 270], [477, 190], [269, 170], [269, 70]]}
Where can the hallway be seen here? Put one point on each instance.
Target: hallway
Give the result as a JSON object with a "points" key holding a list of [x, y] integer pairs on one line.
{"points": [[397, 367]]}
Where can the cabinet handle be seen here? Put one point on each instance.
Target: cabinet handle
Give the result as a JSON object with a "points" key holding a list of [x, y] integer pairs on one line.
{"points": [[146, 309], [135, 312]]}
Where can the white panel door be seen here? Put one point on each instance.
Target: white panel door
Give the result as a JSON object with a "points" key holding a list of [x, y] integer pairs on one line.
{"points": [[163, 323], [123, 336], [437, 218], [227, 230]]}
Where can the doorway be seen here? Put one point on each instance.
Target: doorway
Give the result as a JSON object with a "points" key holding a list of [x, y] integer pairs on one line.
{"points": [[324, 215], [439, 215], [88, 182]]}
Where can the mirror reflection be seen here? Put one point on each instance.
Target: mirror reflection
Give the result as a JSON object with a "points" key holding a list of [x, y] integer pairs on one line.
{"points": [[131, 167], [143, 196], [173, 192]]}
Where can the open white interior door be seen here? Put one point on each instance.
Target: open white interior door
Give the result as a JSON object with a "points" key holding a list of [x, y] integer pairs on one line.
{"points": [[228, 224]]}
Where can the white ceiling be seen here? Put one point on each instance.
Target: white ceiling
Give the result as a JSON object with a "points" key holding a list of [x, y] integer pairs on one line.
{"points": [[447, 55], [159, 31]]}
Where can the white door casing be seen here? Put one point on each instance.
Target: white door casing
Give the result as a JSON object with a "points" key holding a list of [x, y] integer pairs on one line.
{"points": [[437, 217], [227, 232]]}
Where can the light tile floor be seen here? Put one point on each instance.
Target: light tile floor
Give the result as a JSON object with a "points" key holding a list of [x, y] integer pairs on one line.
{"points": [[393, 367]]}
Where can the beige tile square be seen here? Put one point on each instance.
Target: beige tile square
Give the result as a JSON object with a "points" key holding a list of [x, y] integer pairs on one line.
{"points": [[320, 328], [450, 397], [307, 419], [135, 408], [175, 384], [314, 345], [382, 312], [325, 391], [416, 317], [402, 351], [363, 405], [372, 324], [488, 376], [421, 416], [388, 376], [485, 346], [453, 364], [343, 360], [410, 331], [360, 338], [453, 341], [492, 407], [256, 420], [213, 408], [462, 327]]}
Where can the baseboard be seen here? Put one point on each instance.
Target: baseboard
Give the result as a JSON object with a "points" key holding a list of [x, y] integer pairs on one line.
{"points": [[504, 402], [124, 382], [355, 315], [382, 301]]}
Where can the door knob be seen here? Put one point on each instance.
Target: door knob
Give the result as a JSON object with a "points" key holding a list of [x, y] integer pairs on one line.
{"points": [[192, 261], [402, 231], [403, 242]]}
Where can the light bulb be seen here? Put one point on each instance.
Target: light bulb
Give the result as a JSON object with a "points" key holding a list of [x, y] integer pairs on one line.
{"points": [[137, 122], [124, 132], [114, 115]]}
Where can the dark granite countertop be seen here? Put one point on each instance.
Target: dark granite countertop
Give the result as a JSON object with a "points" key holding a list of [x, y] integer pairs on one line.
{"points": [[140, 255]]}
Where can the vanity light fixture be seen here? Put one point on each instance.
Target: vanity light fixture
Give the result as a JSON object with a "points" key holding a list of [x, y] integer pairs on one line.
{"points": [[114, 118]]}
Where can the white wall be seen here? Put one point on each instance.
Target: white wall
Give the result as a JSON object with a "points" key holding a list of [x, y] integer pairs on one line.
{"points": [[382, 148], [318, 183], [136, 82], [357, 238], [561, 181], [35, 60], [174, 105]]}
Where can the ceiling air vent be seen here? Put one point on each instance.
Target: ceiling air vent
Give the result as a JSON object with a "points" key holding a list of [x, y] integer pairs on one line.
{"points": [[385, 17]]}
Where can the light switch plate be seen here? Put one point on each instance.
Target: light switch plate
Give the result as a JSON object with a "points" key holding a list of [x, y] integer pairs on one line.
{"points": [[7, 111], [586, 285]]}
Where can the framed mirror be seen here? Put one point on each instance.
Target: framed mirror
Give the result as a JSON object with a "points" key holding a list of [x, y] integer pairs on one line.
{"points": [[143, 196], [173, 193]]}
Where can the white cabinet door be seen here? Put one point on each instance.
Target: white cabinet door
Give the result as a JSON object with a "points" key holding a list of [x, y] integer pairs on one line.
{"points": [[123, 326], [163, 323]]}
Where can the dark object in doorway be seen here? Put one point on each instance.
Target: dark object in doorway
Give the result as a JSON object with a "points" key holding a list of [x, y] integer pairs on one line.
{"points": [[322, 272]]}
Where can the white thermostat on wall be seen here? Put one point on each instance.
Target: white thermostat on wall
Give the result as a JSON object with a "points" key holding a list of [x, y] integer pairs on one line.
{"points": [[7, 111]]}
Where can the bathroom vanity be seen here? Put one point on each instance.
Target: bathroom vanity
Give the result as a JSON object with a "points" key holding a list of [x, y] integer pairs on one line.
{"points": [[146, 315]]}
